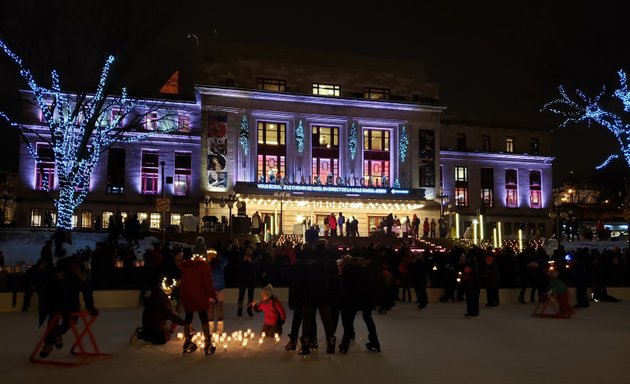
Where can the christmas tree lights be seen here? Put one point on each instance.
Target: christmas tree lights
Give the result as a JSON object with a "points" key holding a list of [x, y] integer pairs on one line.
{"points": [[353, 140], [404, 143], [591, 110], [244, 135], [299, 137], [78, 135]]}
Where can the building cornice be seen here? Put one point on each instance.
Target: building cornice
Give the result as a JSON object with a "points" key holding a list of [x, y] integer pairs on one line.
{"points": [[317, 100], [495, 157]]}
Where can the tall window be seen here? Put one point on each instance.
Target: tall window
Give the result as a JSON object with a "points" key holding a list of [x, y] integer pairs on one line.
{"points": [[53, 215], [149, 172], [142, 216], [155, 220], [106, 216], [176, 219], [534, 146], [86, 219], [151, 121], [376, 93], [485, 143], [272, 149], [46, 168], [183, 122], [326, 89], [116, 171], [461, 142], [183, 171], [275, 85], [511, 188], [487, 187], [376, 152], [509, 144], [36, 217], [325, 142], [535, 189], [461, 186]]}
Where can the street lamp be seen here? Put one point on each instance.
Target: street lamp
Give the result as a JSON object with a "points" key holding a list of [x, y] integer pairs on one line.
{"points": [[558, 215], [442, 198], [282, 194], [229, 201], [207, 202]]}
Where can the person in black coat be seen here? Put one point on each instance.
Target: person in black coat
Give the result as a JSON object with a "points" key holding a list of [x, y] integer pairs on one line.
{"points": [[418, 279], [470, 283], [60, 296], [156, 315], [581, 269], [247, 281], [315, 291], [357, 294], [491, 280]]}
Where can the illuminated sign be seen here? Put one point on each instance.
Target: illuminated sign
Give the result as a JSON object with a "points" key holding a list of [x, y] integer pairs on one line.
{"points": [[331, 189]]}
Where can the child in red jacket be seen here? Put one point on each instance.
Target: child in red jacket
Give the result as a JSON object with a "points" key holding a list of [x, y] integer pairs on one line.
{"points": [[275, 316]]}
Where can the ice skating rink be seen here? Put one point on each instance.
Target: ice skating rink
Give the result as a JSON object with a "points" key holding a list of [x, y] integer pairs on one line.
{"points": [[436, 345]]}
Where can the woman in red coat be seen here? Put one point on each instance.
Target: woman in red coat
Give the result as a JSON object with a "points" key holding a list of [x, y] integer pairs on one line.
{"points": [[195, 292]]}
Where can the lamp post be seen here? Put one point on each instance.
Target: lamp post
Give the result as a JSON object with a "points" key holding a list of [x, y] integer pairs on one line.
{"points": [[557, 214], [282, 194], [229, 201], [207, 202], [442, 198]]}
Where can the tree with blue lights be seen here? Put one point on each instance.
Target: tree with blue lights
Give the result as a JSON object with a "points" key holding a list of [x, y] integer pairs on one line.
{"points": [[81, 126], [582, 108]]}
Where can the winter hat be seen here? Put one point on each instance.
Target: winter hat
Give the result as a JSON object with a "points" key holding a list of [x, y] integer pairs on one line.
{"points": [[268, 289]]}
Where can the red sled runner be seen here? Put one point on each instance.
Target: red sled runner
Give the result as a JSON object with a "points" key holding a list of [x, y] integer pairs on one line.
{"points": [[82, 354]]}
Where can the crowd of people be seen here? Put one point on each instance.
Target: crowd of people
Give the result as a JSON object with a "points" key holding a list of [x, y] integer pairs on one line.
{"points": [[336, 283]]}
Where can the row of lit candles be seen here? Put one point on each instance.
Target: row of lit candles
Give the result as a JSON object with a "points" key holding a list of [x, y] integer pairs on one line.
{"points": [[239, 338]]}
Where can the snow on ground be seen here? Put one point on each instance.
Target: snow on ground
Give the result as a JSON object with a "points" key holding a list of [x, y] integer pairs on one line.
{"points": [[437, 345], [19, 245]]}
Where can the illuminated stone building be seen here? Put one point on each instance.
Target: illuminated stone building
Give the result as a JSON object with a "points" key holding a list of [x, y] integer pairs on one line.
{"points": [[311, 135], [502, 173], [297, 137]]}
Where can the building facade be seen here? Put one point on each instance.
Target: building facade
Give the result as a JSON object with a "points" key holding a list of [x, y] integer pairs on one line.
{"points": [[129, 178], [504, 174], [298, 141], [298, 137]]}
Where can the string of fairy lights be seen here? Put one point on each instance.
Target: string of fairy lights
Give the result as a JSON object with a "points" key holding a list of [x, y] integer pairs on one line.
{"points": [[299, 137], [79, 132], [592, 109]]}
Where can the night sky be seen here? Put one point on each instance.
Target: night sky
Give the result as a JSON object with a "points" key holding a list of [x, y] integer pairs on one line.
{"points": [[495, 62]]}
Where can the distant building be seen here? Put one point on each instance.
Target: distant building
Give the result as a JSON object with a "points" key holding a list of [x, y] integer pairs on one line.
{"points": [[501, 172]]}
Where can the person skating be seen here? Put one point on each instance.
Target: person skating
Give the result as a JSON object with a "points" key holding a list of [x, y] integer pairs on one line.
{"points": [[357, 294], [275, 316], [60, 296], [196, 291], [217, 265], [491, 280], [470, 283], [247, 281]]}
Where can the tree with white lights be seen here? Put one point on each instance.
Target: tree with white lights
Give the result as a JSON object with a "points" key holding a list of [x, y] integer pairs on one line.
{"points": [[583, 108], [82, 125]]}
